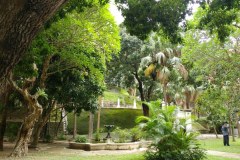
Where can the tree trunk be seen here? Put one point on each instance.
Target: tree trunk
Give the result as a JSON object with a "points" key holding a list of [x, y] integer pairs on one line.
{"points": [[90, 127], [39, 126], [3, 126], [4, 103], [21, 147], [20, 21], [99, 114], [215, 131], [34, 112], [75, 126], [165, 93], [140, 89]]}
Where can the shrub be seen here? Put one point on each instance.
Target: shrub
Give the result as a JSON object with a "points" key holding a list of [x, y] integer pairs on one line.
{"points": [[123, 134], [170, 140], [136, 134], [97, 137], [48, 139], [62, 137], [81, 139]]}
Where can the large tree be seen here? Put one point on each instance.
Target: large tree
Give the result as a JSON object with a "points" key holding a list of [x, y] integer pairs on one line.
{"points": [[77, 41], [20, 22], [144, 16]]}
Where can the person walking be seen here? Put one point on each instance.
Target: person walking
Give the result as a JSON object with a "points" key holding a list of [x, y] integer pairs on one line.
{"points": [[225, 133]]}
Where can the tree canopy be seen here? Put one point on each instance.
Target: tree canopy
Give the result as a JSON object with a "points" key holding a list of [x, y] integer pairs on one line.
{"points": [[144, 16]]}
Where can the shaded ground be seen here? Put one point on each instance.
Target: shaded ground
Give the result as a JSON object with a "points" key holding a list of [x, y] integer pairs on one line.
{"points": [[60, 150]]}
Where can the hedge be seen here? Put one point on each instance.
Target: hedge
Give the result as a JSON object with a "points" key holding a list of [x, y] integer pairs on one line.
{"points": [[123, 118]]}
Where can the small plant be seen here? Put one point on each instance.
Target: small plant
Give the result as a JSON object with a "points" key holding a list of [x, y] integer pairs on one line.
{"points": [[123, 134], [170, 140], [48, 138], [62, 137], [97, 137], [136, 134], [81, 139]]}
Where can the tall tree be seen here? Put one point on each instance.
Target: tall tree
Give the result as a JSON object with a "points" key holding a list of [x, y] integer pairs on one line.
{"points": [[144, 16], [21, 21]]}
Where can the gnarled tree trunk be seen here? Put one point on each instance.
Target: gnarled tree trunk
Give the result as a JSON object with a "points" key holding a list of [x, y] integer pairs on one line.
{"points": [[42, 121], [34, 111], [21, 147]]}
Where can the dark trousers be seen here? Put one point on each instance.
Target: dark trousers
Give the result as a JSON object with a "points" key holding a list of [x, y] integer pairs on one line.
{"points": [[226, 140]]}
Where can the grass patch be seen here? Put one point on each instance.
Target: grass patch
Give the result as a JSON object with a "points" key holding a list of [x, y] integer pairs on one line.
{"points": [[217, 145], [210, 157], [122, 95]]}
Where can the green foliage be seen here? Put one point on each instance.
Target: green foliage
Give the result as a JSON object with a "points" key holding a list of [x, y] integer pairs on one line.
{"points": [[97, 137], [170, 140], [143, 17], [220, 16], [123, 118], [123, 134], [12, 130], [136, 134], [81, 139], [48, 138], [62, 137]]}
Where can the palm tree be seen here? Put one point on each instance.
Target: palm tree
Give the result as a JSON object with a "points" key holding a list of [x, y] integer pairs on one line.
{"points": [[160, 67]]}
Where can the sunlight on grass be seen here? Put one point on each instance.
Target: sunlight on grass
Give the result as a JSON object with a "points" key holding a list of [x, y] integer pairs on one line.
{"points": [[218, 158], [217, 145]]}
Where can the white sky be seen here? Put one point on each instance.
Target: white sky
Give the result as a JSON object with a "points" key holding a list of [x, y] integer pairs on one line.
{"points": [[115, 12]]}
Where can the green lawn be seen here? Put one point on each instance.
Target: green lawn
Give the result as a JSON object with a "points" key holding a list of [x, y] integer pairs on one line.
{"points": [[217, 145], [210, 157]]}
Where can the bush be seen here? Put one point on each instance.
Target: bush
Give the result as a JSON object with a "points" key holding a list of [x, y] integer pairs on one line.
{"points": [[62, 137], [81, 139], [48, 139], [123, 134], [136, 134], [170, 140], [97, 137]]}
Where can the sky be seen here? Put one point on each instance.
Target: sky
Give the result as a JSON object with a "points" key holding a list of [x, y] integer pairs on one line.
{"points": [[115, 12]]}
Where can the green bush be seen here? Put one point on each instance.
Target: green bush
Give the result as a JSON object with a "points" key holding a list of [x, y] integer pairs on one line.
{"points": [[170, 140], [136, 134], [123, 134], [81, 139], [48, 139], [62, 137], [97, 137]]}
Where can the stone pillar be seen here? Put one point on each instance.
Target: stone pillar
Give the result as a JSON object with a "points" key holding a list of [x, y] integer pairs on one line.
{"points": [[134, 104], [118, 103]]}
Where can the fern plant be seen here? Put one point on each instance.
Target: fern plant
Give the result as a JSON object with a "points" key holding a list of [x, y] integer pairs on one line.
{"points": [[170, 139]]}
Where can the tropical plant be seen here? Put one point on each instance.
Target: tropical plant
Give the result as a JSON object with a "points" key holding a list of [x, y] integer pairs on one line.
{"points": [[170, 139], [166, 67], [81, 139], [136, 134], [123, 134]]}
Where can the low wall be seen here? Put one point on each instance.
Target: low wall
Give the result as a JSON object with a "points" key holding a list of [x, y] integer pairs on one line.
{"points": [[108, 146]]}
